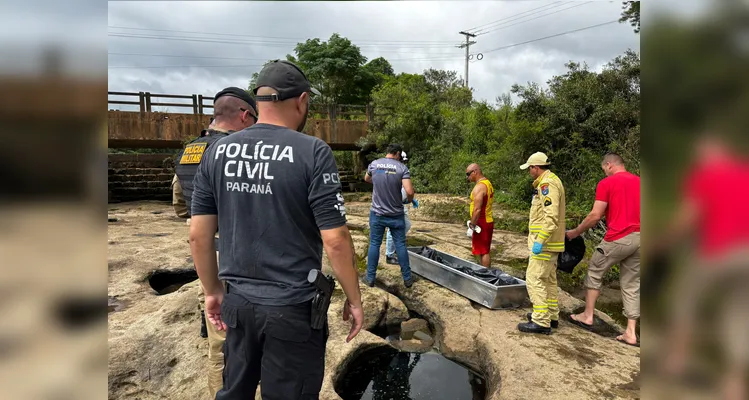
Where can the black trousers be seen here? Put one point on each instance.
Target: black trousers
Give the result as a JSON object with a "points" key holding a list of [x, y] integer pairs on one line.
{"points": [[274, 345]]}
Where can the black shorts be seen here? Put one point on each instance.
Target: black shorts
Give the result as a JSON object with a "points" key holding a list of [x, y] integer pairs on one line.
{"points": [[274, 345]]}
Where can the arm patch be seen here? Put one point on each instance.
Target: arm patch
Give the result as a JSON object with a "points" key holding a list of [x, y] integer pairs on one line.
{"points": [[547, 202]]}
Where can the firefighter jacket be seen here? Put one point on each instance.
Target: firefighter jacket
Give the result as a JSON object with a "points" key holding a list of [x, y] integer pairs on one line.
{"points": [[546, 222]]}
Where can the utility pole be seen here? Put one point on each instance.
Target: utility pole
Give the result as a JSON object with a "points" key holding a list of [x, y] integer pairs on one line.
{"points": [[467, 45]]}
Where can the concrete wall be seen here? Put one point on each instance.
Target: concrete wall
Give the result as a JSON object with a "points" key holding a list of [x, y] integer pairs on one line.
{"points": [[155, 129], [140, 177]]}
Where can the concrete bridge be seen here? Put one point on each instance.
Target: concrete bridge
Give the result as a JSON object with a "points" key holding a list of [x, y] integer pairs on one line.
{"points": [[341, 126]]}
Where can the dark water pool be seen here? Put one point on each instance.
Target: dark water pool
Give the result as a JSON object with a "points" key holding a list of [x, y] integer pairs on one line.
{"points": [[385, 373], [168, 281]]}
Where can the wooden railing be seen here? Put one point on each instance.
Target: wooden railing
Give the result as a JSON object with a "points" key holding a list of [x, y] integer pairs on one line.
{"points": [[147, 100]]}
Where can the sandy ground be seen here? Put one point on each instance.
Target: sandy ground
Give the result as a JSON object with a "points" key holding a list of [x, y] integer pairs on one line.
{"points": [[155, 351]]}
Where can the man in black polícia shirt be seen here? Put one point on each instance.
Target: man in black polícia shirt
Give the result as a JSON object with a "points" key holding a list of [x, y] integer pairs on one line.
{"points": [[275, 193]]}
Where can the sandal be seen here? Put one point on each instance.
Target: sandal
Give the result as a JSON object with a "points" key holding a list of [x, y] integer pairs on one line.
{"points": [[580, 323]]}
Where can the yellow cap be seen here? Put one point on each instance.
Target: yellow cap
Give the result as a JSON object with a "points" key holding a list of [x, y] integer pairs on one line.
{"points": [[536, 159]]}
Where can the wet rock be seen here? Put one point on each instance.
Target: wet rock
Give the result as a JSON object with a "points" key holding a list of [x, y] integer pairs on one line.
{"points": [[397, 312], [413, 345], [412, 325]]}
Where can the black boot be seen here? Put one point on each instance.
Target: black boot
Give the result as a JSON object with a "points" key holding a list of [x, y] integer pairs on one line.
{"points": [[203, 328], [391, 260], [532, 327], [554, 323]]}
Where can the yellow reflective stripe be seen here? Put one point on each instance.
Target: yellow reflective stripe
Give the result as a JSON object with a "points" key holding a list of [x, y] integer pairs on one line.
{"points": [[544, 235], [555, 243], [536, 226], [541, 257]]}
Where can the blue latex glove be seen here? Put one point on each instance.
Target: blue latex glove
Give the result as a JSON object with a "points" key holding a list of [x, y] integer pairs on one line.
{"points": [[415, 203], [537, 248]]}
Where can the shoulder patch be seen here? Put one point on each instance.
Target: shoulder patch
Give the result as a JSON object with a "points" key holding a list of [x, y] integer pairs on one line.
{"points": [[547, 202], [545, 189], [193, 153]]}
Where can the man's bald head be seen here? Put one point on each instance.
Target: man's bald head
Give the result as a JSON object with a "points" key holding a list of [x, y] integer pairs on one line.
{"points": [[612, 163], [473, 172], [613, 159], [474, 166]]}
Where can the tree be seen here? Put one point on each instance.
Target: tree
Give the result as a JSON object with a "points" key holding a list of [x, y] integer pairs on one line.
{"points": [[333, 67], [631, 14]]}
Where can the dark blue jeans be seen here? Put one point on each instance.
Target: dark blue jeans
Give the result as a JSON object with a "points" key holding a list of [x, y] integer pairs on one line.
{"points": [[397, 226]]}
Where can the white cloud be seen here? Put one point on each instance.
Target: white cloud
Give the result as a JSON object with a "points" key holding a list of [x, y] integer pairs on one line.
{"points": [[414, 36]]}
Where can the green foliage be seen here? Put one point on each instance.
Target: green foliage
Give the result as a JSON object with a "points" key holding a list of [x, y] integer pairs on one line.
{"points": [[631, 14], [580, 117]]}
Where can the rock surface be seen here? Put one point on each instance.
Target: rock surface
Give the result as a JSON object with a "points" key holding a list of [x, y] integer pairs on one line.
{"points": [[410, 327], [155, 351]]}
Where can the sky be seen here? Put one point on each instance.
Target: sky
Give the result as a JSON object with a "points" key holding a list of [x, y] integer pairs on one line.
{"points": [[201, 47]]}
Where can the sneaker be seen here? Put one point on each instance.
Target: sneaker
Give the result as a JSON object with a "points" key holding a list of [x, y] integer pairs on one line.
{"points": [[409, 282], [369, 283], [554, 323], [392, 260]]}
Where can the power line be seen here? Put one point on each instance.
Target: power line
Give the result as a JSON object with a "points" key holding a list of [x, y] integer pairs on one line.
{"points": [[276, 37], [182, 66], [500, 26], [266, 43], [511, 16], [551, 36]]}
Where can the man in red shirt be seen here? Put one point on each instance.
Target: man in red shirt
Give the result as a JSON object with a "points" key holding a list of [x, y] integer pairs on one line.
{"points": [[618, 198], [712, 208]]}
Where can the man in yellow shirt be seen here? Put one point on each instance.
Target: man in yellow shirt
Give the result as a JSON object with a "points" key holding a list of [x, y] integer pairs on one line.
{"points": [[482, 198], [545, 242]]}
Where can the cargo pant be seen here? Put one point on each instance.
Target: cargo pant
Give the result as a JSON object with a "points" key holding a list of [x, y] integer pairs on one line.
{"points": [[541, 282], [728, 277], [626, 253], [216, 341]]}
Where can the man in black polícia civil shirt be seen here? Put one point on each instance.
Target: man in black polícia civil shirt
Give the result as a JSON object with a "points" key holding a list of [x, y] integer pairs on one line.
{"points": [[275, 193]]}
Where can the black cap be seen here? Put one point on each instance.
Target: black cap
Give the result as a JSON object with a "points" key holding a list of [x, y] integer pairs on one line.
{"points": [[240, 94], [286, 78]]}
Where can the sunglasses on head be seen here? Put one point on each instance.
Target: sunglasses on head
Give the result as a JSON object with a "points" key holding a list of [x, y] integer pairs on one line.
{"points": [[252, 112]]}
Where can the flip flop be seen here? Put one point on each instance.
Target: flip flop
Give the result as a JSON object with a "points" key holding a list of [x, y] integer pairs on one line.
{"points": [[580, 323], [625, 342]]}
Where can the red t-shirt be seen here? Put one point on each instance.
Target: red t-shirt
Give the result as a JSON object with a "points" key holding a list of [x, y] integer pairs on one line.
{"points": [[622, 193], [720, 188]]}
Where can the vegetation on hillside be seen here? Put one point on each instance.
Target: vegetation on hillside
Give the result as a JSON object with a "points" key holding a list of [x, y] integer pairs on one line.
{"points": [[580, 116]]}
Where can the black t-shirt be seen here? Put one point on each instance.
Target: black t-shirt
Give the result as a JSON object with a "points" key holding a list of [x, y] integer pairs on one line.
{"points": [[273, 190]]}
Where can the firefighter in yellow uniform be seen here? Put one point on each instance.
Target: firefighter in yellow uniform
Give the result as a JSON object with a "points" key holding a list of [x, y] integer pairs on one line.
{"points": [[545, 242]]}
